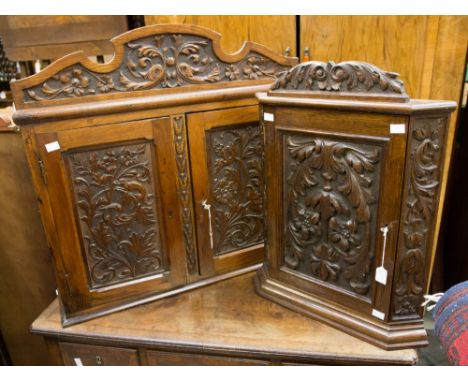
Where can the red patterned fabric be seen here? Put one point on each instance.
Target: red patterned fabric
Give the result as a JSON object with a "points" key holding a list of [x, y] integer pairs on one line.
{"points": [[451, 323]]}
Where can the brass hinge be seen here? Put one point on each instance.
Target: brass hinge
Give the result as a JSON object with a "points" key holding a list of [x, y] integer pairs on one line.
{"points": [[40, 162]]}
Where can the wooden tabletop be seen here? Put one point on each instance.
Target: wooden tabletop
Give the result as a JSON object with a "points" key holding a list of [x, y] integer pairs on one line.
{"points": [[224, 318]]}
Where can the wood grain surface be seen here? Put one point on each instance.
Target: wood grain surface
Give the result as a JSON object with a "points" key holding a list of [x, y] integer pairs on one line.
{"points": [[276, 32], [224, 319], [26, 276]]}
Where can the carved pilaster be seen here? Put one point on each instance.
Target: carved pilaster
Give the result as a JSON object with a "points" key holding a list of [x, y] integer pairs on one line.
{"points": [[184, 190], [421, 193]]}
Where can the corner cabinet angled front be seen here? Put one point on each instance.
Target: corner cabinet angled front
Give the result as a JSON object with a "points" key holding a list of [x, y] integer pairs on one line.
{"points": [[353, 171]]}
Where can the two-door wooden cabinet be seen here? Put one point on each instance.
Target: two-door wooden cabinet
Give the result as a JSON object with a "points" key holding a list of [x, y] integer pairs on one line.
{"points": [[353, 169], [149, 168]]}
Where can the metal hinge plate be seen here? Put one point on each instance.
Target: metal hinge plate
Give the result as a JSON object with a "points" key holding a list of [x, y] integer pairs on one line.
{"points": [[42, 170]]}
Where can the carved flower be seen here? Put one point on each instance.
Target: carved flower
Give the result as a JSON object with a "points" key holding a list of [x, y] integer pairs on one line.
{"points": [[407, 304], [226, 191], [170, 61], [306, 223], [323, 262], [343, 233], [252, 70], [232, 72], [105, 84], [76, 83]]}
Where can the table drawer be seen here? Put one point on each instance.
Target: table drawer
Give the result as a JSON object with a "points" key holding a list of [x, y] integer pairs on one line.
{"points": [[92, 355], [157, 358]]}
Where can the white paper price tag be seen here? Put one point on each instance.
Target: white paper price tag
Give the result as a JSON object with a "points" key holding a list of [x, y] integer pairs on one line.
{"points": [[381, 275], [52, 146], [78, 361], [397, 128], [377, 313], [269, 117]]}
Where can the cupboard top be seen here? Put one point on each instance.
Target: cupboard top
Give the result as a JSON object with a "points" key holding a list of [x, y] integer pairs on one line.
{"points": [[153, 60], [405, 108], [347, 85]]}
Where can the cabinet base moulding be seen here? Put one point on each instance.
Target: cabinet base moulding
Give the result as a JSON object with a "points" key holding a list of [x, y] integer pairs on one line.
{"points": [[388, 336]]}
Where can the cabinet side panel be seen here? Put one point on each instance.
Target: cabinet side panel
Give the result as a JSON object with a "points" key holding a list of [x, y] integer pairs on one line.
{"points": [[426, 142]]}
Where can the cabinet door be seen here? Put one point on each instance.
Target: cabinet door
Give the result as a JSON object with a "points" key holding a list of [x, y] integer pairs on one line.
{"points": [[334, 186], [226, 153], [115, 212]]}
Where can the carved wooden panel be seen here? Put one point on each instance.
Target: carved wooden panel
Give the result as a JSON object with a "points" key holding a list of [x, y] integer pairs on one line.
{"points": [[184, 189], [235, 161], [155, 62], [358, 78], [116, 205], [331, 190], [418, 212]]}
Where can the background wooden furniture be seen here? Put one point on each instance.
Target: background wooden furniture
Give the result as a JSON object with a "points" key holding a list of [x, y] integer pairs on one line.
{"points": [[26, 275], [353, 173], [223, 324], [113, 147], [276, 32], [28, 38]]}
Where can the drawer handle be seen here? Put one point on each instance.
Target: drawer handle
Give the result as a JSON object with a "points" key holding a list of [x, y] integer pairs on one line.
{"points": [[98, 360], [207, 207]]}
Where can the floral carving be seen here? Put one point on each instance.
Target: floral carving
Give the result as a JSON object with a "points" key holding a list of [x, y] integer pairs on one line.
{"points": [[349, 76], [331, 188], [160, 61], [113, 188], [236, 173], [418, 213], [184, 190]]}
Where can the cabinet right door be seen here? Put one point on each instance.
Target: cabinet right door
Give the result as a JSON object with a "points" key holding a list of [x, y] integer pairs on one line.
{"points": [[226, 157], [334, 191]]}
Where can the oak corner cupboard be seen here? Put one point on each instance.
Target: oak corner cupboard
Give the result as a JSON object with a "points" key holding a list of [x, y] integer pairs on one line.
{"points": [[353, 169], [148, 169]]}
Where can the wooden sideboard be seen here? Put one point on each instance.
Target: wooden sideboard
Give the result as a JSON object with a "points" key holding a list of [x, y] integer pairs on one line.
{"points": [[225, 323]]}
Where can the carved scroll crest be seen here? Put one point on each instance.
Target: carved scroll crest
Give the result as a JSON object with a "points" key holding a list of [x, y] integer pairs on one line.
{"points": [[355, 77], [158, 61]]}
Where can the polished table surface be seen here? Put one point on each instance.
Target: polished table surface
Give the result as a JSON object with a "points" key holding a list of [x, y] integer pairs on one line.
{"points": [[227, 318]]}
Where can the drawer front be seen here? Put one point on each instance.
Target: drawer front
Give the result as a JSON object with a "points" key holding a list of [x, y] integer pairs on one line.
{"points": [[91, 355], [156, 358]]}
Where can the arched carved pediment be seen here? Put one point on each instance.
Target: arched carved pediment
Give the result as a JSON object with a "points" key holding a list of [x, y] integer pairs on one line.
{"points": [[150, 58], [349, 78]]}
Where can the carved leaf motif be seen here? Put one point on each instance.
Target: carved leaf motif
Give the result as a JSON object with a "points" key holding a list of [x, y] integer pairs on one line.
{"points": [[161, 61], [236, 175], [331, 190], [116, 207], [418, 212], [184, 190], [350, 76]]}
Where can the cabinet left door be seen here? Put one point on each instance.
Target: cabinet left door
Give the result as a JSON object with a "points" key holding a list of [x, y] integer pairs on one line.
{"points": [[115, 213]]}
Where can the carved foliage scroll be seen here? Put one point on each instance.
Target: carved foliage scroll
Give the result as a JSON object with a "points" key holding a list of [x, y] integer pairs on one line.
{"points": [[114, 192], [419, 207], [350, 76], [159, 61], [184, 190], [236, 177], [331, 196]]}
